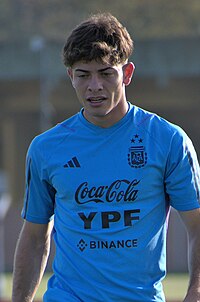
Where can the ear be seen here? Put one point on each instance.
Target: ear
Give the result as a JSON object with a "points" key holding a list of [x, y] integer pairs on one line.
{"points": [[128, 70], [70, 74]]}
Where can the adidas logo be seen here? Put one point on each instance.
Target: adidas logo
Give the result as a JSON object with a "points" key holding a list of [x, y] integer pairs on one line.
{"points": [[73, 163]]}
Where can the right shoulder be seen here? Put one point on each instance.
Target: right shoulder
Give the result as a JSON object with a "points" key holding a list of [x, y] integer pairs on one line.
{"points": [[46, 142]]}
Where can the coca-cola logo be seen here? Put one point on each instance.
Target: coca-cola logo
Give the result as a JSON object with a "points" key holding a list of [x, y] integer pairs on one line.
{"points": [[119, 190]]}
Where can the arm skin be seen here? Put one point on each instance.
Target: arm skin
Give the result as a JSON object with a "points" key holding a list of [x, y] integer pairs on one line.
{"points": [[31, 256], [191, 220]]}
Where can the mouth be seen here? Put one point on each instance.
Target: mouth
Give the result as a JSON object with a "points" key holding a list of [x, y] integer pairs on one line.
{"points": [[96, 100]]}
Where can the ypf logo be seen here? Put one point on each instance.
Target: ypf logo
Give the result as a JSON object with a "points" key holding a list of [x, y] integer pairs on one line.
{"points": [[137, 156]]}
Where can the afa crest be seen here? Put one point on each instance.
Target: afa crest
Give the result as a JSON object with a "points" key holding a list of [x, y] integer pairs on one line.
{"points": [[137, 156]]}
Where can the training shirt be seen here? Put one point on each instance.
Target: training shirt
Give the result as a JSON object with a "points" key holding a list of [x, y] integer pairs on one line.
{"points": [[109, 191]]}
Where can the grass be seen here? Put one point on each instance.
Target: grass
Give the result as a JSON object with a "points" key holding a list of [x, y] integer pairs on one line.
{"points": [[175, 286]]}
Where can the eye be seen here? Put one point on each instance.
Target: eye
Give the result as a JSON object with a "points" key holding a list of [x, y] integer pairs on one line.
{"points": [[82, 75], [106, 74]]}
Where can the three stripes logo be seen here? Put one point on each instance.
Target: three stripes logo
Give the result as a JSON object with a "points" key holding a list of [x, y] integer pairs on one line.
{"points": [[73, 163]]}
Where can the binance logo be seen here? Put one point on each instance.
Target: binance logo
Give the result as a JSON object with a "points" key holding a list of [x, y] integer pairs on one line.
{"points": [[82, 245], [107, 244]]}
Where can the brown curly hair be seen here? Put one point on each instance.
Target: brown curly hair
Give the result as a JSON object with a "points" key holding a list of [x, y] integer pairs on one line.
{"points": [[102, 38]]}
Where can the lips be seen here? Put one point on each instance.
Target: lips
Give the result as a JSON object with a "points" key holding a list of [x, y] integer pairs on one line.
{"points": [[96, 100]]}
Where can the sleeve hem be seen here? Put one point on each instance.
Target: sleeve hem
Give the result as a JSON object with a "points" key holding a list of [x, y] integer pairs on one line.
{"points": [[39, 220], [184, 208]]}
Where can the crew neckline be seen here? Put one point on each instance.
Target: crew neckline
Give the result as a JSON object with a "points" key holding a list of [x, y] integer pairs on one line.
{"points": [[107, 129]]}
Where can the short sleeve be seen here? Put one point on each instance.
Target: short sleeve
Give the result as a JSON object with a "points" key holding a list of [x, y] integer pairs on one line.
{"points": [[39, 194], [182, 177]]}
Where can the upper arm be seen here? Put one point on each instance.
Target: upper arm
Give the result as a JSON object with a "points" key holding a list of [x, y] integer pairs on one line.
{"points": [[191, 220]]}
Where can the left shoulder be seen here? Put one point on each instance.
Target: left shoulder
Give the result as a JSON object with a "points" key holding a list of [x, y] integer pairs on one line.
{"points": [[155, 125]]}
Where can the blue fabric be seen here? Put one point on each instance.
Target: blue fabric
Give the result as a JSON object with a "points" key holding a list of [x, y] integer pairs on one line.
{"points": [[109, 191]]}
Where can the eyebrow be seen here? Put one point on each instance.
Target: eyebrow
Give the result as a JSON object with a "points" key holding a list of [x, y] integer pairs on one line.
{"points": [[87, 71], [81, 70]]}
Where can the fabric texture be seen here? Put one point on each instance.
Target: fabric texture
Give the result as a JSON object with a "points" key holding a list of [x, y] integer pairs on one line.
{"points": [[109, 191]]}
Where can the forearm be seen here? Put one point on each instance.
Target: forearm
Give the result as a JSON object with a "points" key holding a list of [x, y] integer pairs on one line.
{"points": [[191, 219], [29, 265], [193, 293]]}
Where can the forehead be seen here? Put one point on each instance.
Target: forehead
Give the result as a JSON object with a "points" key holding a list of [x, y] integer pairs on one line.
{"points": [[93, 66]]}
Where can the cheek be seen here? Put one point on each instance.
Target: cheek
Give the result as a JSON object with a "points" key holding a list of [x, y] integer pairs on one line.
{"points": [[117, 82], [80, 92], [117, 87], [78, 87], [111, 86]]}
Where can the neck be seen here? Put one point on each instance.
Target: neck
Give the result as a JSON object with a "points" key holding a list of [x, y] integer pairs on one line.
{"points": [[109, 119]]}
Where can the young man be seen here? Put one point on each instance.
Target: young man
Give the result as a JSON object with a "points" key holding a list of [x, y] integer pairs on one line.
{"points": [[106, 178]]}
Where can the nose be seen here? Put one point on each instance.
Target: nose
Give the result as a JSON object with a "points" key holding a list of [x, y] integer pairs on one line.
{"points": [[95, 84]]}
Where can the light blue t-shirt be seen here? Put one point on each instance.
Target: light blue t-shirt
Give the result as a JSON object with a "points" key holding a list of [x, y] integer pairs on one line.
{"points": [[109, 191]]}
